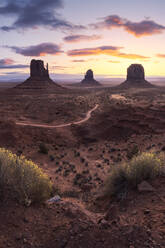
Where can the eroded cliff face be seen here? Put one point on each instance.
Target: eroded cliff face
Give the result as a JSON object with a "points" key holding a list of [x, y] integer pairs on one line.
{"points": [[37, 69], [89, 79], [39, 78], [135, 72], [89, 75], [135, 78]]}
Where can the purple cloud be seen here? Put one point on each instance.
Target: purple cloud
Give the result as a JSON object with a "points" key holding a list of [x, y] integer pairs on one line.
{"points": [[10, 64], [78, 38], [37, 50], [33, 14], [138, 29]]}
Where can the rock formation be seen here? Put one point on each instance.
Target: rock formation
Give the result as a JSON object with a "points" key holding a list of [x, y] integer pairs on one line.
{"points": [[136, 77], [37, 69], [89, 79], [39, 78]]}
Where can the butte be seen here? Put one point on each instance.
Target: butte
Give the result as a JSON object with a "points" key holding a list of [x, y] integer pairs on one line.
{"points": [[39, 79], [135, 78], [89, 80]]}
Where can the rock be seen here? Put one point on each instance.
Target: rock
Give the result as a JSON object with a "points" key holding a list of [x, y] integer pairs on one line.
{"points": [[39, 78], [135, 72], [55, 199], [104, 223], [89, 75], [135, 77], [147, 211], [89, 79], [37, 69], [145, 187]]}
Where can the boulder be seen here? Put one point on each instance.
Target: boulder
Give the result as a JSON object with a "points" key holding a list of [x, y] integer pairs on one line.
{"points": [[145, 187]]}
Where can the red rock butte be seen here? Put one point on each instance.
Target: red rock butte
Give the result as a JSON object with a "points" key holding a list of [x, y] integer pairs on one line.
{"points": [[39, 78], [135, 78], [89, 79]]}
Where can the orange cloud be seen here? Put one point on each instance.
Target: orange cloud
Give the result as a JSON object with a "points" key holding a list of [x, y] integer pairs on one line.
{"points": [[114, 61], [161, 56], [107, 50]]}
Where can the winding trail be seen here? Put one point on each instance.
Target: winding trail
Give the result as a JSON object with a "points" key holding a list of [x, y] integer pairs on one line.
{"points": [[88, 116]]}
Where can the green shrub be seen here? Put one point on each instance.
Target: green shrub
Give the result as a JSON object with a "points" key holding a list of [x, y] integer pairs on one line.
{"points": [[144, 166], [43, 148], [24, 179]]}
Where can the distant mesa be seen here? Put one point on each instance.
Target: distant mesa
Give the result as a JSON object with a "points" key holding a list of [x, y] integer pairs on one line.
{"points": [[37, 69], [39, 78], [89, 79], [136, 78]]}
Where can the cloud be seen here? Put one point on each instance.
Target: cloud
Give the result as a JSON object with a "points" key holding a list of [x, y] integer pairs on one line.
{"points": [[161, 56], [78, 38], [107, 50], [19, 66], [138, 29], [10, 64], [78, 60], [33, 14], [37, 50], [114, 61], [5, 62], [93, 51], [59, 67]]}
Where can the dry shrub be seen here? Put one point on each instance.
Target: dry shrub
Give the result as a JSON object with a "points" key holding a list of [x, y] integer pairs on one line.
{"points": [[144, 166], [23, 178]]}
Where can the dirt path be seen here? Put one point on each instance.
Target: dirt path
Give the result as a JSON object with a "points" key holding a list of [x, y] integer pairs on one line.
{"points": [[88, 116]]}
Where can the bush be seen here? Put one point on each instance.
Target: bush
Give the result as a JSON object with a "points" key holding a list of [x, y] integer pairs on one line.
{"points": [[43, 148], [132, 151], [25, 180], [144, 166]]}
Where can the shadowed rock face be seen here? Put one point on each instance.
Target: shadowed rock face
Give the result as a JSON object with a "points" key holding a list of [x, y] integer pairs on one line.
{"points": [[39, 78], [135, 78], [135, 72], [37, 69], [89, 75], [89, 79]]}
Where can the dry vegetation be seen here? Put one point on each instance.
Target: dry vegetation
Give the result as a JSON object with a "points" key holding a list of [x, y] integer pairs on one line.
{"points": [[23, 179], [145, 166], [121, 145]]}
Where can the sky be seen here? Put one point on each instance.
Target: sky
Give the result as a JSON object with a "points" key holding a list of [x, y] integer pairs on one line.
{"points": [[74, 36]]}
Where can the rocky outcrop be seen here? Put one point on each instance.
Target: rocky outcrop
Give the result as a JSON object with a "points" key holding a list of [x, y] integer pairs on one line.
{"points": [[135, 72], [39, 78], [37, 69], [136, 78], [89, 75], [89, 79]]}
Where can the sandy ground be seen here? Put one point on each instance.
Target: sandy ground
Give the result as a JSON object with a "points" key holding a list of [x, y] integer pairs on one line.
{"points": [[81, 154]]}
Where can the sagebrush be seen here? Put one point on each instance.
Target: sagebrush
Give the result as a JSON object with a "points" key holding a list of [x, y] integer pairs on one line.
{"points": [[23, 178], [144, 166]]}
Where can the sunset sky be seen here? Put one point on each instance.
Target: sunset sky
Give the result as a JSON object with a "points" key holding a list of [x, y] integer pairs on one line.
{"points": [[74, 35]]}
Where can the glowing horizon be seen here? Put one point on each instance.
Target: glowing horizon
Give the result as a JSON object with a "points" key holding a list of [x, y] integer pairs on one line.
{"points": [[107, 39]]}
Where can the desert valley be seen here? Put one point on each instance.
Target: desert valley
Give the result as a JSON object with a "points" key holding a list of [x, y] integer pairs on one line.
{"points": [[82, 124], [77, 134]]}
